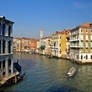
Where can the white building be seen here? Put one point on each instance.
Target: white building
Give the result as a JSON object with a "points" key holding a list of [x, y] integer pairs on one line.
{"points": [[6, 49], [81, 43], [56, 44]]}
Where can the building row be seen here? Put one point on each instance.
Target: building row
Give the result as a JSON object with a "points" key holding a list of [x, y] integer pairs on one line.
{"points": [[74, 44], [25, 44]]}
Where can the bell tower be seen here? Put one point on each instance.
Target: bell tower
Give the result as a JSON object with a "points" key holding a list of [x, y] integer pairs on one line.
{"points": [[41, 33]]}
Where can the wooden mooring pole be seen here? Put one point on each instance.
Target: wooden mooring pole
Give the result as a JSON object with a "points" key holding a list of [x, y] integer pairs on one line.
{"points": [[15, 79]]}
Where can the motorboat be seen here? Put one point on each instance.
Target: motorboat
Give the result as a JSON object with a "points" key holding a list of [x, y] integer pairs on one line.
{"points": [[71, 72], [50, 56]]}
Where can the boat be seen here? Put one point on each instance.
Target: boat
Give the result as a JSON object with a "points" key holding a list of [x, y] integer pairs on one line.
{"points": [[50, 56], [71, 72], [20, 70]]}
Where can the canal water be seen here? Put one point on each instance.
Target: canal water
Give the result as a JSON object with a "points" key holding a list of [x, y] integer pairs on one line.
{"points": [[49, 75]]}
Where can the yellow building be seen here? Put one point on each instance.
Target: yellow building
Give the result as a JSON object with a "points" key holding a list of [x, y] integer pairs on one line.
{"points": [[64, 43]]}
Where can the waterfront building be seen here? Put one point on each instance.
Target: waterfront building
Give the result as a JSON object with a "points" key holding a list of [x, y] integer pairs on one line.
{"points": [[64, 43], [43, 45], [81, 43], [56, 44], [6, 50], [48, 45], [60, 44], [38, 46], [17, 44], [25, 44]]}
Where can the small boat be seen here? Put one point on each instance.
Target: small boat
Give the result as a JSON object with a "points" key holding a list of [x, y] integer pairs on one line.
{"points": [[50, 56], [20, 70], [71, 72]]}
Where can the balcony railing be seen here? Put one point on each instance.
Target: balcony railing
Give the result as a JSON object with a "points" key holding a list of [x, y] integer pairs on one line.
{"points": [[76, 39], [75, 46]]}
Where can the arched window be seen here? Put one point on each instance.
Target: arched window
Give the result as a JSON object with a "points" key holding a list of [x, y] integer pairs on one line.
{"points": [[3, 29], [9, 31], [9, 47], [9, 62], [0, 46], [0, 28], [3, 46], [86, 56]]}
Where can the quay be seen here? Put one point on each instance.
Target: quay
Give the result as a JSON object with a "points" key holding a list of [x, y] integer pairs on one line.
{"points": [[66, 58], [12, 77]]}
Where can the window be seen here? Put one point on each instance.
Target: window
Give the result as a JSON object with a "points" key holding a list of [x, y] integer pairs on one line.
{"points": [[4, 64], [86, 50], [91, 56], [81, 30], [3, 46], [3, 29], [0, 65], [91, 37], [81, 57], [81, 50], [91, 44], [9, 47], [0, 46], [9, 62], [0, 28], [86, 56], [86, 37], [81, 37], [81, 44], [60, 51], [9, 30], [86, 44], [54, 44]]}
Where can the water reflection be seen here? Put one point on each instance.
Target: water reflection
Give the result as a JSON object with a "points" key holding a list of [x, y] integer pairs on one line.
{"points": [[48, 75]]}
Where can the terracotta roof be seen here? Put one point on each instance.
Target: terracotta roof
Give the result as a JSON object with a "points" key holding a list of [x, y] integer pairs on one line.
{"points": [[65, 31], [86, 25], [24, 38], [49, 36], [58, 32]]}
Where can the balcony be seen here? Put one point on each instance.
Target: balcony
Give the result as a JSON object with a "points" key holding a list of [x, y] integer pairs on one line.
{"points": [[76, 39], [74, 46], [6, 54]]}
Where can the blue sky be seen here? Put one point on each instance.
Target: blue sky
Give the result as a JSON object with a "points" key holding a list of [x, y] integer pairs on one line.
{"points": [[50, 15]]}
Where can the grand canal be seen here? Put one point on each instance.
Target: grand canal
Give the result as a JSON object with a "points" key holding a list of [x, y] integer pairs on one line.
{"points": [[49, 75]]}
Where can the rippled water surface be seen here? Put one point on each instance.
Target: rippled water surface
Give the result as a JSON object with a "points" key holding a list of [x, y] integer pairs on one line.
{"points": [[49, 75]]}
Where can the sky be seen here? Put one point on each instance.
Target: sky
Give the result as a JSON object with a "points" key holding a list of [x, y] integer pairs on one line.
{"points": [[50, 15]]}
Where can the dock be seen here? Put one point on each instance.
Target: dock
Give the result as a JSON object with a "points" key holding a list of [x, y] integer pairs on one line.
{"points": [[5, 79]]}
